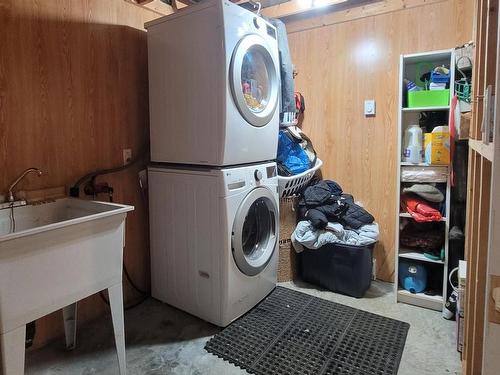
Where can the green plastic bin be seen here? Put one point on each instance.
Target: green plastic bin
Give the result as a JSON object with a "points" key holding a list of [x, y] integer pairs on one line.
{"points": [[428, 98]]}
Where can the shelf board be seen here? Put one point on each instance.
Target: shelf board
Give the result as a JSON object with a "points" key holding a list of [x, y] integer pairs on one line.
{"points": [[421, 299], [430, 56], [482, 149], [407, 164], [408, 216], [426, 109], [411, 254]]}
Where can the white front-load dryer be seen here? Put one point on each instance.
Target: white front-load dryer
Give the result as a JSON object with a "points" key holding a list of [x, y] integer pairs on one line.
{"points": [[214, 86], [214, 238]]}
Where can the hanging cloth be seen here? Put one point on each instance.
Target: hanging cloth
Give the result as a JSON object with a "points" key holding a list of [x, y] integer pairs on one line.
{"points": [[453, 136], [286, 68]]}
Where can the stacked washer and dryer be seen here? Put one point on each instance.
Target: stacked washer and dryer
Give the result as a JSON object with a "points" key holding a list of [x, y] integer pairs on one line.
{"points": [[214, 107]]}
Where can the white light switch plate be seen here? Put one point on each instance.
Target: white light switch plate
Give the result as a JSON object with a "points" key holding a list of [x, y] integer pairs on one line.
{"points": [[370, 107]]}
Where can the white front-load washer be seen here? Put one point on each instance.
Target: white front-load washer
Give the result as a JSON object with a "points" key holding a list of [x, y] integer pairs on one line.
{"points": [[214, 238], [214, 86]]}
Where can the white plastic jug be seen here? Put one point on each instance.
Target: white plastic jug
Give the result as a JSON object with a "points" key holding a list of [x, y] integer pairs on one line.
{"points": [[413, 145]]}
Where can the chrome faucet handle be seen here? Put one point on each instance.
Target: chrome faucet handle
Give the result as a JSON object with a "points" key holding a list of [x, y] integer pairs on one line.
{"points": [[10, 194]]}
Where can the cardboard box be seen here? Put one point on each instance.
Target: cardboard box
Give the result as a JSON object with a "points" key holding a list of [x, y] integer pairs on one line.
{"points": [[287, 258], [464, 56], [288, 217], [462, 274], [287, 262], [437, 146], [465, 119]]}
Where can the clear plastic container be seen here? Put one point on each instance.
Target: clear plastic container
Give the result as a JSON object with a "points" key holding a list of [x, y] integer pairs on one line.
{"points": [[413, 145]]}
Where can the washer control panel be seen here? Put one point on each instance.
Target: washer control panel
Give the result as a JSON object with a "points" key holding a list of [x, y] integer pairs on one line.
{"points": [[257, 175], [271, 171], [238, 178]]}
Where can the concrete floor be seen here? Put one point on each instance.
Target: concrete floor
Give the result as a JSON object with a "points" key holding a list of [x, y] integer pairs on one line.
{"points": [[164, 340]]}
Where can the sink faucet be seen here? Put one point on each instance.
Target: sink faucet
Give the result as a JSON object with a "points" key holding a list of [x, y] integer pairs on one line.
{"points": [[10, 194]]}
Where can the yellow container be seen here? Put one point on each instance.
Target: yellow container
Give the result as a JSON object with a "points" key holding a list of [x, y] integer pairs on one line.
{"points": [[437, 146]]}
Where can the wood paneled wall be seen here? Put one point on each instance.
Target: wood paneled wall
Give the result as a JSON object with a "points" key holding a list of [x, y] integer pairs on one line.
{"points": [[341, 65], [73, 94]]}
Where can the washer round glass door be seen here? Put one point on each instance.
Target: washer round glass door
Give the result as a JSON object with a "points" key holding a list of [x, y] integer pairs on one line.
{"points": [[254, 231], [254, 81]]}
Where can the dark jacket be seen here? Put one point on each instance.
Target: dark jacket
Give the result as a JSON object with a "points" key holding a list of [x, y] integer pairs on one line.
{"points": [[319, 205]]}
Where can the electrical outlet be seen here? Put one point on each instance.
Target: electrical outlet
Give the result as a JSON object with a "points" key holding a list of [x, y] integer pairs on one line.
{"points": [[127, 156]]}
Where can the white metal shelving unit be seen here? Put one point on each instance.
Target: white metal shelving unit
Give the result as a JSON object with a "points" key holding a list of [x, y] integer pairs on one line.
{"points": [[407, 116]]}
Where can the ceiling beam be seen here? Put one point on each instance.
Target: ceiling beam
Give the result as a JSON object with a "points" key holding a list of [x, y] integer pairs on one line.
{"points": [[159, 6], [345, 13], [293, 7]]}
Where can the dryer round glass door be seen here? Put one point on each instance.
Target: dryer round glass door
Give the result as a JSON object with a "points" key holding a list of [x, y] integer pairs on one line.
{"points": [[254, 80], [254, 231]]}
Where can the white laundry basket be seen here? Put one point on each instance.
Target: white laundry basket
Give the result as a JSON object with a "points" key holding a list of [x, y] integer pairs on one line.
{"points": [[288, 186]]}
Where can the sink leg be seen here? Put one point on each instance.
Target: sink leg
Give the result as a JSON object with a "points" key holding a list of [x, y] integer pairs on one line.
{"points": [[69, 316], [116, 303], [12, 344]]}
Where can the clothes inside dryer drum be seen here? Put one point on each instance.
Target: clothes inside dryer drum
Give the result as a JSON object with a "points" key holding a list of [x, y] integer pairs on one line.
{"points": [[257, 229], [255, 80]]}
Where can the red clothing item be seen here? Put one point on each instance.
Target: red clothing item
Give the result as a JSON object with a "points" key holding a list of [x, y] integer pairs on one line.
{"points": [[419, 209], [453, 135]]}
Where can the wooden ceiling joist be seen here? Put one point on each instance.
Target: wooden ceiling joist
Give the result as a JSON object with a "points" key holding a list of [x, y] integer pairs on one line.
{"points": [[294, 7], [312, 13], [161, 7]]}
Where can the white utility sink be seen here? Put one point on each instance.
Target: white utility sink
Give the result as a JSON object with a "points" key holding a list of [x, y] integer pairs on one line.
{"points": [[52, 255]]}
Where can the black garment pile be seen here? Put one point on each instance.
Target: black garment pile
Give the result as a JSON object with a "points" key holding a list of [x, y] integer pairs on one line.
{"points": [[326, 202], [427, 237]]}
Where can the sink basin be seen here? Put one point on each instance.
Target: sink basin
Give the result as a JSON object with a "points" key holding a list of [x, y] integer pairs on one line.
{"points": [[63, 212], [58, 253]]}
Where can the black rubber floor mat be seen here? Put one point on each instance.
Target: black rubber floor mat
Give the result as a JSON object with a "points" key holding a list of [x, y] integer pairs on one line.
{"points": [[293, 333]]}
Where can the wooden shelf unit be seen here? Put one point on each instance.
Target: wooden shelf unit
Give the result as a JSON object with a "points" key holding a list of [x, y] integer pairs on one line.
{"points": [[408, 216], [426, 109], [416, 255], [485, 150], [406, 164], [420, 299], [407, 116], [482, 246]]}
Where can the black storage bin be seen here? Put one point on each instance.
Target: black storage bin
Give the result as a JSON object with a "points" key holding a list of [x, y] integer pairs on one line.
{"points": [[345, 269]]}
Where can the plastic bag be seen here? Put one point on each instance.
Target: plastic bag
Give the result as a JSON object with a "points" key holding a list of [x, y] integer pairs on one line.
{"points": [[292, 159]]}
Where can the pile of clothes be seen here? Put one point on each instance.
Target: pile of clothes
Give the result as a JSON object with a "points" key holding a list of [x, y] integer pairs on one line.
{"points": [[421, 202], [425, 204], [328, 215], [427, 237]]}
